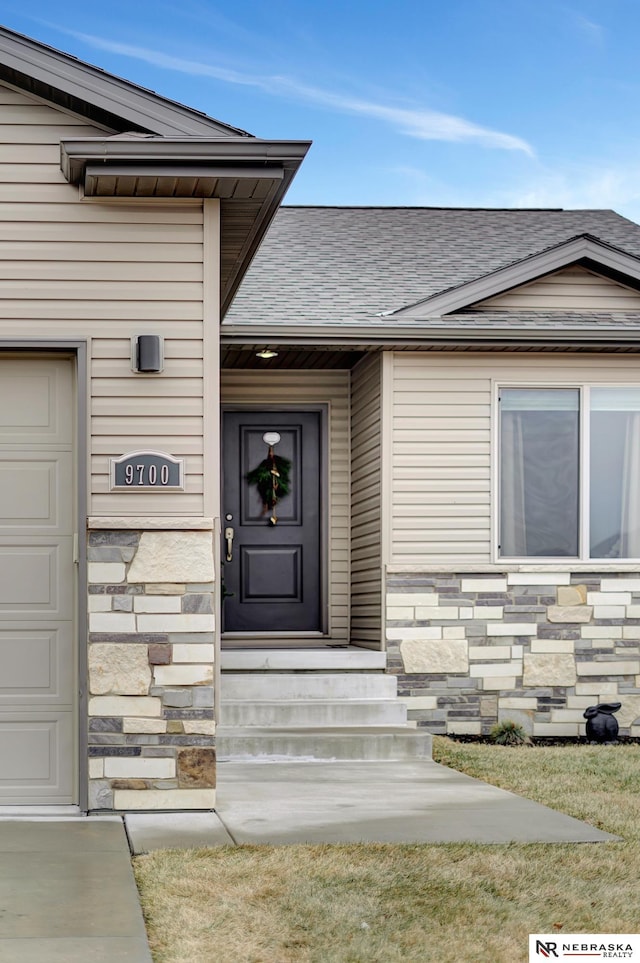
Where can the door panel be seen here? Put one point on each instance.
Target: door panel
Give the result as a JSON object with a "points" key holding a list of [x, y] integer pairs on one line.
{"points": [[37, 670], [273, 579]]}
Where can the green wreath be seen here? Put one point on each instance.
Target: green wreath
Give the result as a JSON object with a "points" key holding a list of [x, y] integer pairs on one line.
{"points": [[271, 478]]}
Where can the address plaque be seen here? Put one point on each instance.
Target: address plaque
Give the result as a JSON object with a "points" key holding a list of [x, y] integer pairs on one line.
{"points": [[147, 471]]}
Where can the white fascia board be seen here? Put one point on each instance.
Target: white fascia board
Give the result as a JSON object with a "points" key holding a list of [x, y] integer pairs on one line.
{"points": [[75, 153], [398, 336], [529, 269]]}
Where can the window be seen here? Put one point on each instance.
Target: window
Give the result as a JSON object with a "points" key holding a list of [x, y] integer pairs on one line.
{"points": [[569, 483]]}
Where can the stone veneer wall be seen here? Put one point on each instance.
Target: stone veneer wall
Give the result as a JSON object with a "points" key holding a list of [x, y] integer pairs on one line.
{"points": [[150, 656], [536, 648]]}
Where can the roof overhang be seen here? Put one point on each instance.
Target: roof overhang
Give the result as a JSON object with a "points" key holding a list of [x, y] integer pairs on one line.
{"points": [[101, 97], [583, 249], [250, 177], [419, 337]]}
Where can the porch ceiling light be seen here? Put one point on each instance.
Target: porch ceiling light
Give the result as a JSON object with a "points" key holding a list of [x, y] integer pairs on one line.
{"points": [[266, 354]]}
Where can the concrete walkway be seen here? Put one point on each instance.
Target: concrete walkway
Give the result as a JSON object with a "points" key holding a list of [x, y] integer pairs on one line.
{"points": [[351, 802], [67, 893]]}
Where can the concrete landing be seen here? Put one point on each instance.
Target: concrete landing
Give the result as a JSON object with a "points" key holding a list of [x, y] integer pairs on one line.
{"points": [[350, 802], [67, 893]]}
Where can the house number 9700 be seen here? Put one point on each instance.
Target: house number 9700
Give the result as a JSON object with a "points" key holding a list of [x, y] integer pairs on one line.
{"points": [[135, 474], [147, 471]]}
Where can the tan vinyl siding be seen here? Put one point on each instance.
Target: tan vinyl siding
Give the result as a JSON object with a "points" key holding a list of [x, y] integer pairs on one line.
{"points": [[572, 289], [299, 388], [441, 480], [366, 501], [105, 271]]}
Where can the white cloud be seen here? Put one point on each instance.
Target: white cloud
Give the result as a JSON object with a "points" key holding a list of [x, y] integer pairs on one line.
{"points": [[419, 123]]}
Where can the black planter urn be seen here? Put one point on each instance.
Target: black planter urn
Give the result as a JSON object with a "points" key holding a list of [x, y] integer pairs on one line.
{"points": [[602, 727]]}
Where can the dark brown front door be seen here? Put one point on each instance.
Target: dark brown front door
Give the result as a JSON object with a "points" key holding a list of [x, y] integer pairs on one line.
{"points": [[272, 572]]}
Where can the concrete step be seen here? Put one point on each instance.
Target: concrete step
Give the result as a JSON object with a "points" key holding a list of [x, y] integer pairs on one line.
{"points": [[324, 658], [299, 686], [313, 713], [384, 743]]}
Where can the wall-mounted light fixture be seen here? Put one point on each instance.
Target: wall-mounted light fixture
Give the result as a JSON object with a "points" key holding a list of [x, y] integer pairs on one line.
{"points": [[266, 354], [147, 353]]}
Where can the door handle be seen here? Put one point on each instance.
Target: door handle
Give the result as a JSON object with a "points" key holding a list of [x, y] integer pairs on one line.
{"points": [[228, 535]]}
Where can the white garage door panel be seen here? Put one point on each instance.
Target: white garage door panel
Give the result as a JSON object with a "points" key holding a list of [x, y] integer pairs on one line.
{"points": [[30, 489], [34, 578], [34, 664], [36, 757], [35, 402]]}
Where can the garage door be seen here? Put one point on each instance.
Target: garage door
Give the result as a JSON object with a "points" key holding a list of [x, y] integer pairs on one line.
{"points": [[37, 712]]}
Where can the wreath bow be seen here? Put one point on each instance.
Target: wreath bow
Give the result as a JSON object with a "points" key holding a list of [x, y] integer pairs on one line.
{"points": [[271, 478]]}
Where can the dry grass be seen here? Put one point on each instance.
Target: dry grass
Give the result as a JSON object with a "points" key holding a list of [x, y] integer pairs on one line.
{"points": [[364, 904]]}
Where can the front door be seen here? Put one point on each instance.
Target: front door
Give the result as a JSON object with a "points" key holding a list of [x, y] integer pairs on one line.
{"points": [[272, 552]]}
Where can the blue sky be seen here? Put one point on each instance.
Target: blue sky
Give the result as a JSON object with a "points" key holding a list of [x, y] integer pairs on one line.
{"points": [[480, 103]]}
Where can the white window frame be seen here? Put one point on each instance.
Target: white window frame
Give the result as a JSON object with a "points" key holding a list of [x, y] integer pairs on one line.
{"points": [[584, 401]]}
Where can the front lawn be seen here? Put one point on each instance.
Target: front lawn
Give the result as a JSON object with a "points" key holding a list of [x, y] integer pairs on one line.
{"points": [[386, 903]]}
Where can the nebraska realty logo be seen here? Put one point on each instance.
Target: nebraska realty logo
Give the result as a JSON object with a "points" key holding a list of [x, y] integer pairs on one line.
{"points": [[576, 947]]}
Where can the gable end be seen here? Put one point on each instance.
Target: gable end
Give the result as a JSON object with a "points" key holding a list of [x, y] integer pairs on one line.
{"points": [[574, 288]]}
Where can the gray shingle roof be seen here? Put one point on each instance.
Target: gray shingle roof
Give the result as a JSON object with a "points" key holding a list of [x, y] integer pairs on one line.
{"points": [[347, 265]]}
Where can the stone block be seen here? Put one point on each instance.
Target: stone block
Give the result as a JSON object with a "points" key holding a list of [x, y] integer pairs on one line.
{"points": [[193, 653], [106, 572], [602, 690], [572, 594], [173, 556], [159, 654], [609, 598], [122, 603], [198, 604], [113, 705], [188, 674], [157, 603], [461, 727], [178, 698], [515, 702], [512, 628], [398, 613], [483, 585], [429, 599], [141, 725], [539, 578], [197, 768], [96, 768], [603, 632], [498, 683], [496, 669], [553, 645], [119, 669], [112, 622], [100, 794], [609, 667], [487, 653], [203, 697], [99, 603], [159, 799], [553, 729], [414, 632], [202, 727], [487, 612], [609, 611], [569, 613], [453, 632], [432, 656], [170, 622], [128, 784], [139, 767], [165, 588], [549, 669], [621, 584]]}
